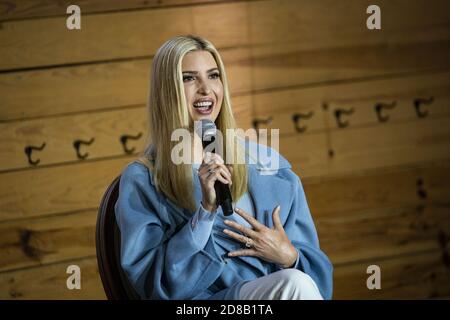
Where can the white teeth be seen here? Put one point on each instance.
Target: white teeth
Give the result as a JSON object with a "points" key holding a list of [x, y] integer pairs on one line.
{"points": [[203, 104]]}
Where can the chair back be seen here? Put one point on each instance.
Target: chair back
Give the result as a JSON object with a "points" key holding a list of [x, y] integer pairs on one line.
{"points": [[115, 281]]}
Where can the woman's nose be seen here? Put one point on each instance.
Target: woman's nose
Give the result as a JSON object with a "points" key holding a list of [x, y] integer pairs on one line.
{"points": [[204, 87]]}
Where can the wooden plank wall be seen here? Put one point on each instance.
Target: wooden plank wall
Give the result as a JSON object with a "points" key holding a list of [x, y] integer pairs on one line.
{"points": [[377, 182]]}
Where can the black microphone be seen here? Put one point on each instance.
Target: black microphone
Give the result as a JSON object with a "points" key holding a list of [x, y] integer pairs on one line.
{"points": [[223, 194]]}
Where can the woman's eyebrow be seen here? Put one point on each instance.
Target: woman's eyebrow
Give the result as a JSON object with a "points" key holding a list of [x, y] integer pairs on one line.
{"points": [[195, 72]]}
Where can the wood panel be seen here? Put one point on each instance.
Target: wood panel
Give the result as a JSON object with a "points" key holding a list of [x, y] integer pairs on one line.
{"points": [[57, 91], [51, 43], [269, 22], [381, 232], [362, 96], [419, 276], [325, 24], [49, 282], [35, 242], [59, 134], [399, 144], [299, 39], [98, 86], [359, 149], [55, 190], [307, 153], [382, 213], [288, 64], [20, 9], [396, 187], [392, 109], [90, 87]]}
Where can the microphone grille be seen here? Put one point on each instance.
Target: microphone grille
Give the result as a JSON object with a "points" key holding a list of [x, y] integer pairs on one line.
{"points": [[208, 128]]}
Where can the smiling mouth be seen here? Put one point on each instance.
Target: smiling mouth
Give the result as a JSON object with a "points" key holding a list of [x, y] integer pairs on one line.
{"points": [[204, 107]]}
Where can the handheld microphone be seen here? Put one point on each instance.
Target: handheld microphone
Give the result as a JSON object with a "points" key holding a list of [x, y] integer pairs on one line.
{"points": [[223, 194]]}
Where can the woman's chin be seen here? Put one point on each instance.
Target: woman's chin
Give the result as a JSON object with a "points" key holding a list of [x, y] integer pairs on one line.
{"points": [[199, 117]]}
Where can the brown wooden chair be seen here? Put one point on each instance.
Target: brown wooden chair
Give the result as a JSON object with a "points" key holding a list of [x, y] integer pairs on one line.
{"points": [[114, 279]]}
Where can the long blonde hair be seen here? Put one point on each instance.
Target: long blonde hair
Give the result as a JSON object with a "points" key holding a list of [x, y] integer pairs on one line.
{"points": [[168, 111]]}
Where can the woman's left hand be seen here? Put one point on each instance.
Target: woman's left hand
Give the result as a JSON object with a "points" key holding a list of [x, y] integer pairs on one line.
{"points": [[270, 244]]}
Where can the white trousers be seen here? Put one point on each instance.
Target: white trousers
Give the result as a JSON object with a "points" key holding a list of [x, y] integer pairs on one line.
{"points": [[286, 284]]}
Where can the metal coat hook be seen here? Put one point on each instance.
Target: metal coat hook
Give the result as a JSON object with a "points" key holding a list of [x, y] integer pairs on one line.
{"points": [[77, 143], [421, 192], [296, 118], [29, 149], [418, 103], [379, 108], [338, 113], [124, 139], [256, 122]]}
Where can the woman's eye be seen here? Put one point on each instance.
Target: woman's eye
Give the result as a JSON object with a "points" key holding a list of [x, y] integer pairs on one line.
{"points": [[187, 78]]}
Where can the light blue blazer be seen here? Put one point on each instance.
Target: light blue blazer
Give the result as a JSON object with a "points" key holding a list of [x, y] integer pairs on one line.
{"points": [[160, 250]]}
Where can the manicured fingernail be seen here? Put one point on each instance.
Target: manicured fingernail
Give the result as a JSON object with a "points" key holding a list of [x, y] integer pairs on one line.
{"points": [[227, 221], [230, 254]]}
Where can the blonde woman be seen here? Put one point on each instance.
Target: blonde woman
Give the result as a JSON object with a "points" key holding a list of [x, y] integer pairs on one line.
{"points": [[176, 243]]}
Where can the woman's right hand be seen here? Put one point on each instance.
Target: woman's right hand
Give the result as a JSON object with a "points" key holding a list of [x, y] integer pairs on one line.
{"points": [[212, 169]]}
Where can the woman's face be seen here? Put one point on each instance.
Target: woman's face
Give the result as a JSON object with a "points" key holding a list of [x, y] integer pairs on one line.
{"points": [[202, 85]]}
